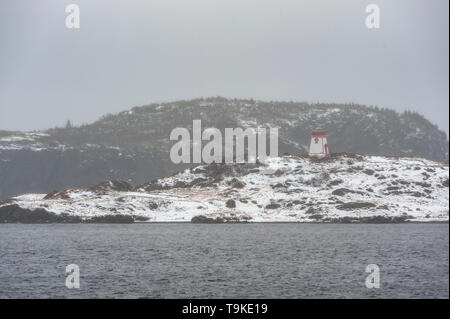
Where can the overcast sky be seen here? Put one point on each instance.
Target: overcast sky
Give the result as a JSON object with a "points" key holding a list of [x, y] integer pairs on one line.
{"points": [[132, 52]]}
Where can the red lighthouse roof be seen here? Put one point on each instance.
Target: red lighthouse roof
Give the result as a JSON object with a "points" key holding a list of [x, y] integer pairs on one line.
{"points": [[318, 134]]}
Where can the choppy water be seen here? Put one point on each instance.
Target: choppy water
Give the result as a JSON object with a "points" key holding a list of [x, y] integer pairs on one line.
{"points": [[229, 261]]}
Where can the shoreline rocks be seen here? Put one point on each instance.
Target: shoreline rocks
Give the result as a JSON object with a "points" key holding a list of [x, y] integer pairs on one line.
{"points": [[15, 214]]}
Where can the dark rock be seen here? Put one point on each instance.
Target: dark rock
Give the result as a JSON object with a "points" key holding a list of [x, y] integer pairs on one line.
{"points": [[230, 203], [202, 182], [140, 218], [7, 201], [233, 219], [180, 184], [51, 195], [217, 172], [427, 176], [152, 205], [312, 211], [113, 185], [335, 182], [110, 219], [417, 194], [316, 216], [151, 186], [273, 206], [355, 205], [235, 183], [58, 195], [278, 172], [342, 191], [423, 184], [201, 219], [371, 220], [16, 214]]}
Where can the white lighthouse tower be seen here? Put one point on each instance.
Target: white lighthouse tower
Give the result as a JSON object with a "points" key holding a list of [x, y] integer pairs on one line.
{"points": [[318, 146]]}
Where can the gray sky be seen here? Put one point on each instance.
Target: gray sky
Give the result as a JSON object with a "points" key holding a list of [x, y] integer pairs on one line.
{"points": [[132, 52]]}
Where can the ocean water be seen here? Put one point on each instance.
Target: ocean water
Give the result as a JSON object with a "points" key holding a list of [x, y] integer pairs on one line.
{"points": [[224, 261]]}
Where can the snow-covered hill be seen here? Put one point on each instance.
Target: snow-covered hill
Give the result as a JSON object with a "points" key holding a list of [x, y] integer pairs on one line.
{"points": [[340, 188], [134, 145]]}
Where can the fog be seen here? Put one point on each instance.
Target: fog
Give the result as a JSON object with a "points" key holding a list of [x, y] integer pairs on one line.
{"points": [[129, 53]]}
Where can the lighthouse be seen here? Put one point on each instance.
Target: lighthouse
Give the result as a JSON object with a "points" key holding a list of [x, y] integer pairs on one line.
{"points": [[318, 146]]}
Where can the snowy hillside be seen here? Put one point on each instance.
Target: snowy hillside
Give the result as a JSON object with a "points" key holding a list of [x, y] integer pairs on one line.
{"points": [[341, 188], [133, 145]]}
